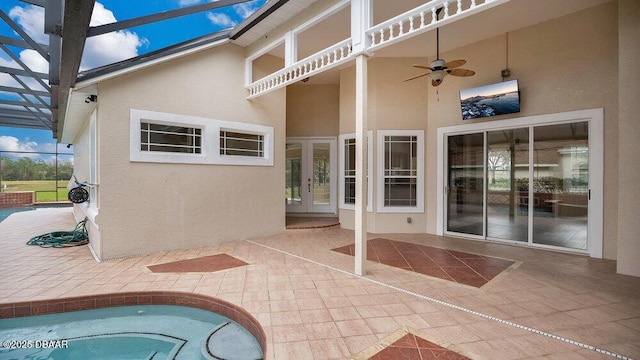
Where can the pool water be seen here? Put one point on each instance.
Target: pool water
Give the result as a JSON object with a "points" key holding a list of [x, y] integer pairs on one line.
{"points": [[140, 332], [5, 212]]}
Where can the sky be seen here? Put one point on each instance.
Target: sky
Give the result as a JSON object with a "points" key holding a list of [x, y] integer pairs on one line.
{"points": [[107, 48], [487, 90]]}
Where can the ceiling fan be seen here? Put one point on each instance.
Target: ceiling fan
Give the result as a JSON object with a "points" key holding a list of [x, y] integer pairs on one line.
{"points": [[439, 68]]}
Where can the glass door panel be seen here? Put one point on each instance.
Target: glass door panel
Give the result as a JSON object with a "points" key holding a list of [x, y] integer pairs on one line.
{"points": [[465, 197], [560, 185], [508, 185], [310, 184], [321, 174], [293, 176]]}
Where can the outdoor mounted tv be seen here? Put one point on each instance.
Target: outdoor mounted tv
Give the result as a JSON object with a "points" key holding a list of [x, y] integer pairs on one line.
{"points": [[490, 100]]}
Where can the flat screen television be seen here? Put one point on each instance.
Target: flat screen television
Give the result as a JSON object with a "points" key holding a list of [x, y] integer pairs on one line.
{"points": [[490, 100]]}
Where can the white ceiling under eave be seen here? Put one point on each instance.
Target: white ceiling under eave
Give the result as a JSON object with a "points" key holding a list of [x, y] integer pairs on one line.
{"points": [[499, 20], [79, 109], [278, 17]]}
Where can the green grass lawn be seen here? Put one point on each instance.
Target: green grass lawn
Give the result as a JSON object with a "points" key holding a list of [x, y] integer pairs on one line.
{"points": [[45, 189]]}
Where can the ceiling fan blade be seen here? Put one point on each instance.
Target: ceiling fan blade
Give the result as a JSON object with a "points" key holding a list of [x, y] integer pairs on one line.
{"points": [[422, 67], [455, 63], [416, 77], [461, 72]]}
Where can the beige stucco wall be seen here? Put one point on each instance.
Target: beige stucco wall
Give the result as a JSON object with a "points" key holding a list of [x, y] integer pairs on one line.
{"points": [[150, 207], [629, 131], [561, 65], [313, 110], [392, 105]]}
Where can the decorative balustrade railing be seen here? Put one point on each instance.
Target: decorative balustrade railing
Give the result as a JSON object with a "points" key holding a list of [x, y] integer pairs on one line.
{"points": [[421, 19], [314, 64], [413, 22]]}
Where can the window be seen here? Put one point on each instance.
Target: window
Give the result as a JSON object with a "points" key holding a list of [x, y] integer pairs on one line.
{"points": [[401, 181], [172, 138], [241, 144], [167, 138], [348, 171]]}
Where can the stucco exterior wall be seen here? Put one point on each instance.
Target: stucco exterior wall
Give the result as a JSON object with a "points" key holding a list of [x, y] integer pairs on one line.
{"points": [[151, 207], [629, 131], [392, 105], [561, 65], [313, 110]]}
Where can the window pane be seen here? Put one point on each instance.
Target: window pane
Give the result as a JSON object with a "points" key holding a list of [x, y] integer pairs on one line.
{"points": [[507, 165], [350, 157], [466, 183], [400, 170], [561, 185], [166, 138], [241, 144], [400, 192], [350, 190]]}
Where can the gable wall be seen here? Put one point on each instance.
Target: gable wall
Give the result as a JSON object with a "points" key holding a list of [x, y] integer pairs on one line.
{"points": [[150, 207]]}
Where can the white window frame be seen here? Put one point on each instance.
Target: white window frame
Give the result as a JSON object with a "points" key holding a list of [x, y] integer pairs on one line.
{"points": [[93, 160], [341, 165], [381, 207], [265, 131], [210, 141], [595, 117], [137, 117]]}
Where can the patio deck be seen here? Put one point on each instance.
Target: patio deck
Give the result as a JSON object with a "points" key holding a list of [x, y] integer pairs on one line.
{"points": [[311, 306]]}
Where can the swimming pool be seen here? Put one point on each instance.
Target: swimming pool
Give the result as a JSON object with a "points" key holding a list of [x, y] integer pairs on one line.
{"points": [[142, 332], [5, 212]]}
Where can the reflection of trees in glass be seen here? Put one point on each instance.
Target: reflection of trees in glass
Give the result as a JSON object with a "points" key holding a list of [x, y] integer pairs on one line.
{"points": [[497, 160]]}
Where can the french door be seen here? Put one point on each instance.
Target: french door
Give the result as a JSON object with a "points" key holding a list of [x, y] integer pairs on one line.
{"points": [[310, 184], [527, 184]]}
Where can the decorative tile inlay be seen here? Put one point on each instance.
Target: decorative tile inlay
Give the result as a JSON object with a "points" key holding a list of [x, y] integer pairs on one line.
{"points": [[464, 268], [202, 264], [409, 345]]}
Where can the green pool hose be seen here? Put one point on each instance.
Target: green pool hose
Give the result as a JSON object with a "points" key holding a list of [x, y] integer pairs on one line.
{"points": [[79, 236]]}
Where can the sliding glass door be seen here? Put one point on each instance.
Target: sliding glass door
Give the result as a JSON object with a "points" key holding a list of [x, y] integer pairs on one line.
{"points": [[507, 188], [465, 189], [527, 184], [561, 185]]}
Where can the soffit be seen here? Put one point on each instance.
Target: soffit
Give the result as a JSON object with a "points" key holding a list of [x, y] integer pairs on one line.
{"points": [[277, 12], [511, 16]]}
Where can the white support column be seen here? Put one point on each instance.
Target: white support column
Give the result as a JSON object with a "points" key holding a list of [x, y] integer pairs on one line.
{"points": [[290, 49], [361, 13], [361, 166]]}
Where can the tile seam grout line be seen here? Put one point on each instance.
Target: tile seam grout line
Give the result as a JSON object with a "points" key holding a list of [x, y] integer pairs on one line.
{"points": [[453, 306]]}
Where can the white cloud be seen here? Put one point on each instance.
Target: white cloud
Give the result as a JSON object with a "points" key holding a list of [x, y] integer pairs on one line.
{"points": [[31, 19], [246, 9], [10, 143], [219, 19], [34, 61], [184, 3], [111, 47], [99, 50]]}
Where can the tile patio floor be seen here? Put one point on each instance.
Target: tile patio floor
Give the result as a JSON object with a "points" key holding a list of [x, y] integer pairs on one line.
{"points": [[312, 307]]}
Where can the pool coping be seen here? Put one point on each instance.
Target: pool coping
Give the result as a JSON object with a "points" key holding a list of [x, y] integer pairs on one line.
{"points": [[98, 301]]}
